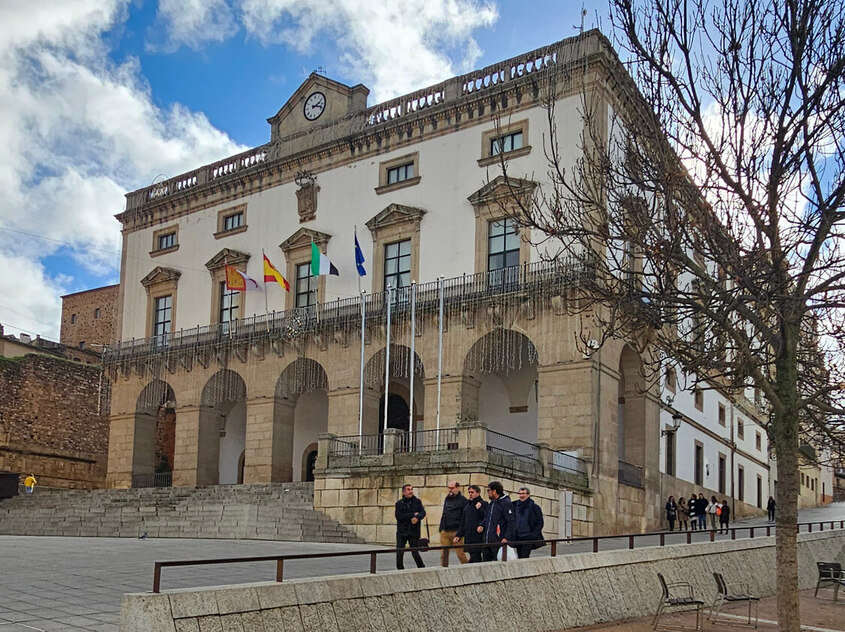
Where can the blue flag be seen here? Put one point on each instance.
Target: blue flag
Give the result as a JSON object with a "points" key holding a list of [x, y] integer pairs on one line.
{"points": [[359, 258]]}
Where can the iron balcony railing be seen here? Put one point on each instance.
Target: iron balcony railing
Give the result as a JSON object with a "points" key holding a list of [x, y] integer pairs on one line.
{"points": [[160, 479], [448, 439], [542, 278], [630, 474]]}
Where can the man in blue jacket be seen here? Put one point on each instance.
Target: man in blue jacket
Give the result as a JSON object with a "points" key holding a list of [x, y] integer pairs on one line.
{"points": [[472, 523], [409, 514], [529, 523], [499, 521]]}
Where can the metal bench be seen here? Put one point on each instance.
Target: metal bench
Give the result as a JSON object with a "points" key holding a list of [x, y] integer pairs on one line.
{"points": [[683, 596], [830, 574], [726, 595]]}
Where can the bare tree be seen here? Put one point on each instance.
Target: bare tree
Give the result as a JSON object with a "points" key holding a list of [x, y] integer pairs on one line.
{"points": [[708, 194]]}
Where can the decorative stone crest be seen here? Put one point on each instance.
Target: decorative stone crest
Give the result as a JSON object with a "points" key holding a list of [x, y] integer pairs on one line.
{"points": [[306, 195]]}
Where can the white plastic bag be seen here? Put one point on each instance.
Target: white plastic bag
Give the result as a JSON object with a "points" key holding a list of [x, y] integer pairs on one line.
{"points": [[511, 554]]}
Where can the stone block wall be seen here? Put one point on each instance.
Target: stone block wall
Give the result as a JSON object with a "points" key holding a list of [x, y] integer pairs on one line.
{"points": [[51, 421], [542, 594], [365, 503]]}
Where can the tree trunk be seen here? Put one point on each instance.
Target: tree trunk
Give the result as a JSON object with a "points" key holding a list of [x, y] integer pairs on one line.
{"points": [[784, 430]]}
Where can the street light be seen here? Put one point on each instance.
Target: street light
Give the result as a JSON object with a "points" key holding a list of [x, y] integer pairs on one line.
{"points": [[676, 423]]}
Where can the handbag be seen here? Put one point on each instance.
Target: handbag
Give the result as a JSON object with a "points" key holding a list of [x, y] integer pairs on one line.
{"points": [[425, 542]]}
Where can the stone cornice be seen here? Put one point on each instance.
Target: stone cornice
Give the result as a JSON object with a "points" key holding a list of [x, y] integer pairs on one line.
{"points": [[393, 214], [160, 274], [356, 137], [304, 237], [226, 257]]}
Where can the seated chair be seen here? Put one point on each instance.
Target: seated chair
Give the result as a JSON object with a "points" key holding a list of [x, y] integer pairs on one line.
{"points": [[726, 595], [830, 574], [683, 597]]}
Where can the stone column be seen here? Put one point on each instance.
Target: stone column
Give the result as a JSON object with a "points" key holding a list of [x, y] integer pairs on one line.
{"points": [[269, 440], [458, 401], [343, 411], [472, 440], [324, 442], [187, 438], [565, 414], [121, 450]]}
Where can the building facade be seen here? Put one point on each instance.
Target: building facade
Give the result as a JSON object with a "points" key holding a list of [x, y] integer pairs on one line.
{"points": [[89, 318], [490, 373]]}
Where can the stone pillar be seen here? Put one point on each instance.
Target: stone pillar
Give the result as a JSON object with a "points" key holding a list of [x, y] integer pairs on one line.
{"points": [[458, 401], [392, 440], [324, 442], [472, 440], [565, 414], [121, 450], [187, 436], [208, 445], [269, 440], [343, 411]]}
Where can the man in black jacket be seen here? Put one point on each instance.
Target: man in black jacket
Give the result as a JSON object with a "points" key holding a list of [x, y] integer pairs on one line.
{"points": [[471, 528], [409, 514], [450, 520], [529, 523], [498, 522]]}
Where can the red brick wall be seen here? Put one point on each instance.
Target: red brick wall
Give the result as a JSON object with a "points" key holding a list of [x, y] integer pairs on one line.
{"points": [[50, 424]]}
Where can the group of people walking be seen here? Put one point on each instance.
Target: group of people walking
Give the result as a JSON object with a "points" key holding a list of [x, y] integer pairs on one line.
{"points": [[692, 514], [471, 520]]}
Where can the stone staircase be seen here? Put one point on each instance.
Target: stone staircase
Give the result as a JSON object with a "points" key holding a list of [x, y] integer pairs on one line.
{"points": [[282, 511]]}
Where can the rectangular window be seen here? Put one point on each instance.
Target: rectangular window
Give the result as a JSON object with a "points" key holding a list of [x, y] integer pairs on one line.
{"points": [[397, 267], [96, 312], [722, 473], [506, 143], [233, 221], [670, 454], [230, 301], [699, 399], [759, 442], [73, 319], [740, 428], [759, 492], [400, 173], [306, 286], [740, 481], [162, 317], [81, 344], [722, 415], [699, 464], [671, 379], [503, 252], [168, 240]]}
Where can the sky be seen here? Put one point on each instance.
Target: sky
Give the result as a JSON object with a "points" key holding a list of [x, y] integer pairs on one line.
{"points": [[101, 97]]}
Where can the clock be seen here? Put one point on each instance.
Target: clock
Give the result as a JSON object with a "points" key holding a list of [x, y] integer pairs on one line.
{"points": [[315, 105]]}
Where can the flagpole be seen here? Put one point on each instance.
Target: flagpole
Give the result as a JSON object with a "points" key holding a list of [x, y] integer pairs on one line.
{"points": [[266, 309], [413, 363], [361, 385], [387, 359], [440, 283]]}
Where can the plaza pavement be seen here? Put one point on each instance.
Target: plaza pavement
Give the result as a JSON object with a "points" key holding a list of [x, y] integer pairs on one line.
{"points": [[54, 583]]}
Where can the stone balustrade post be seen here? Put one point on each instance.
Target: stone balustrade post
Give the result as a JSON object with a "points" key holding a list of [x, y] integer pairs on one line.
{"points": [[545, 454], [392, 440], [324, 444]]}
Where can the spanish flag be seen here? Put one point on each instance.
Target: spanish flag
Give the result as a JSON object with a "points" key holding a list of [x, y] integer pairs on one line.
{"points": [[272, 275]]}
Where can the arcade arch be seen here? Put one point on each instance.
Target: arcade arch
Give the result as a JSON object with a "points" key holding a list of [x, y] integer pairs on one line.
{"points": [[631, 408], [221, 440], [155, 430], [399, 390], [504, 362], [301, 411]]}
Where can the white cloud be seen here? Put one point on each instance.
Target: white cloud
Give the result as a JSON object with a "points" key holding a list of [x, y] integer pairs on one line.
{"points": [[194, 23], [77, 132], [396, 46]]}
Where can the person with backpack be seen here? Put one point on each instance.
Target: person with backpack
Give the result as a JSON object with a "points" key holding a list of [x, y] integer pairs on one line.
{"points": [[713, 512]]}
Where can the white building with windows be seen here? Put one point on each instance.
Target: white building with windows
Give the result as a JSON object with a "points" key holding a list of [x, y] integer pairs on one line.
{"points": [[266, 386]]}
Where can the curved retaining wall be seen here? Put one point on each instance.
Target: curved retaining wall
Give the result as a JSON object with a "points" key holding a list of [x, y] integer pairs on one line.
{"points": [[550, 593]]}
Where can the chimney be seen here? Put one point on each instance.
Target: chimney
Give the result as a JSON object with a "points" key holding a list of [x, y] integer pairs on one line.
{"points": [[25, 338]]}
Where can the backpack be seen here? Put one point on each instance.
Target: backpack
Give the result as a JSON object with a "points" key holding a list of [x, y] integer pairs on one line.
{"points": [[719, 510]]}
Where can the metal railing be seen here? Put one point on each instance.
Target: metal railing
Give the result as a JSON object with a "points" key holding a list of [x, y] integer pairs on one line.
{"points": [[629, 540], [630, 474], [428, 440], [565, 462], [499, 443], [159, 479], [357, 445], [536, 279]]}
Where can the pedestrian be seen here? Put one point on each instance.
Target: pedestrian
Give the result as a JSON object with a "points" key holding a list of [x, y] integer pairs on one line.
{"points": [[724, 516], [692, 507], [471, 528], [450, 521], [683, 514], [672, 513], [528, 521], [409, 515], [712, 511], [770, 507], [701, 512], [498, 522], [29, 483]]}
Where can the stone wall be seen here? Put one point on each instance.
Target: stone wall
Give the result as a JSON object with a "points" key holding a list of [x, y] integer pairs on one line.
{"points": [[543, 594], [94, 316], [51, 424]]}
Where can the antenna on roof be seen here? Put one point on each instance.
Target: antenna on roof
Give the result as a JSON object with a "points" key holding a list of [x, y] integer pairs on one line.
{"points": [[583, 15], [320, 71]]}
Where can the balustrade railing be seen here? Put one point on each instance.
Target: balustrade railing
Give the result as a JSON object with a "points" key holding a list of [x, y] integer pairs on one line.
{"points": [[428, 440], [159, 479], [499, 443], [532, 278]]}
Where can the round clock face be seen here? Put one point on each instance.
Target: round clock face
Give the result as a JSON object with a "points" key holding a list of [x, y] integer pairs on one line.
{"points": [[315, 104]]}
